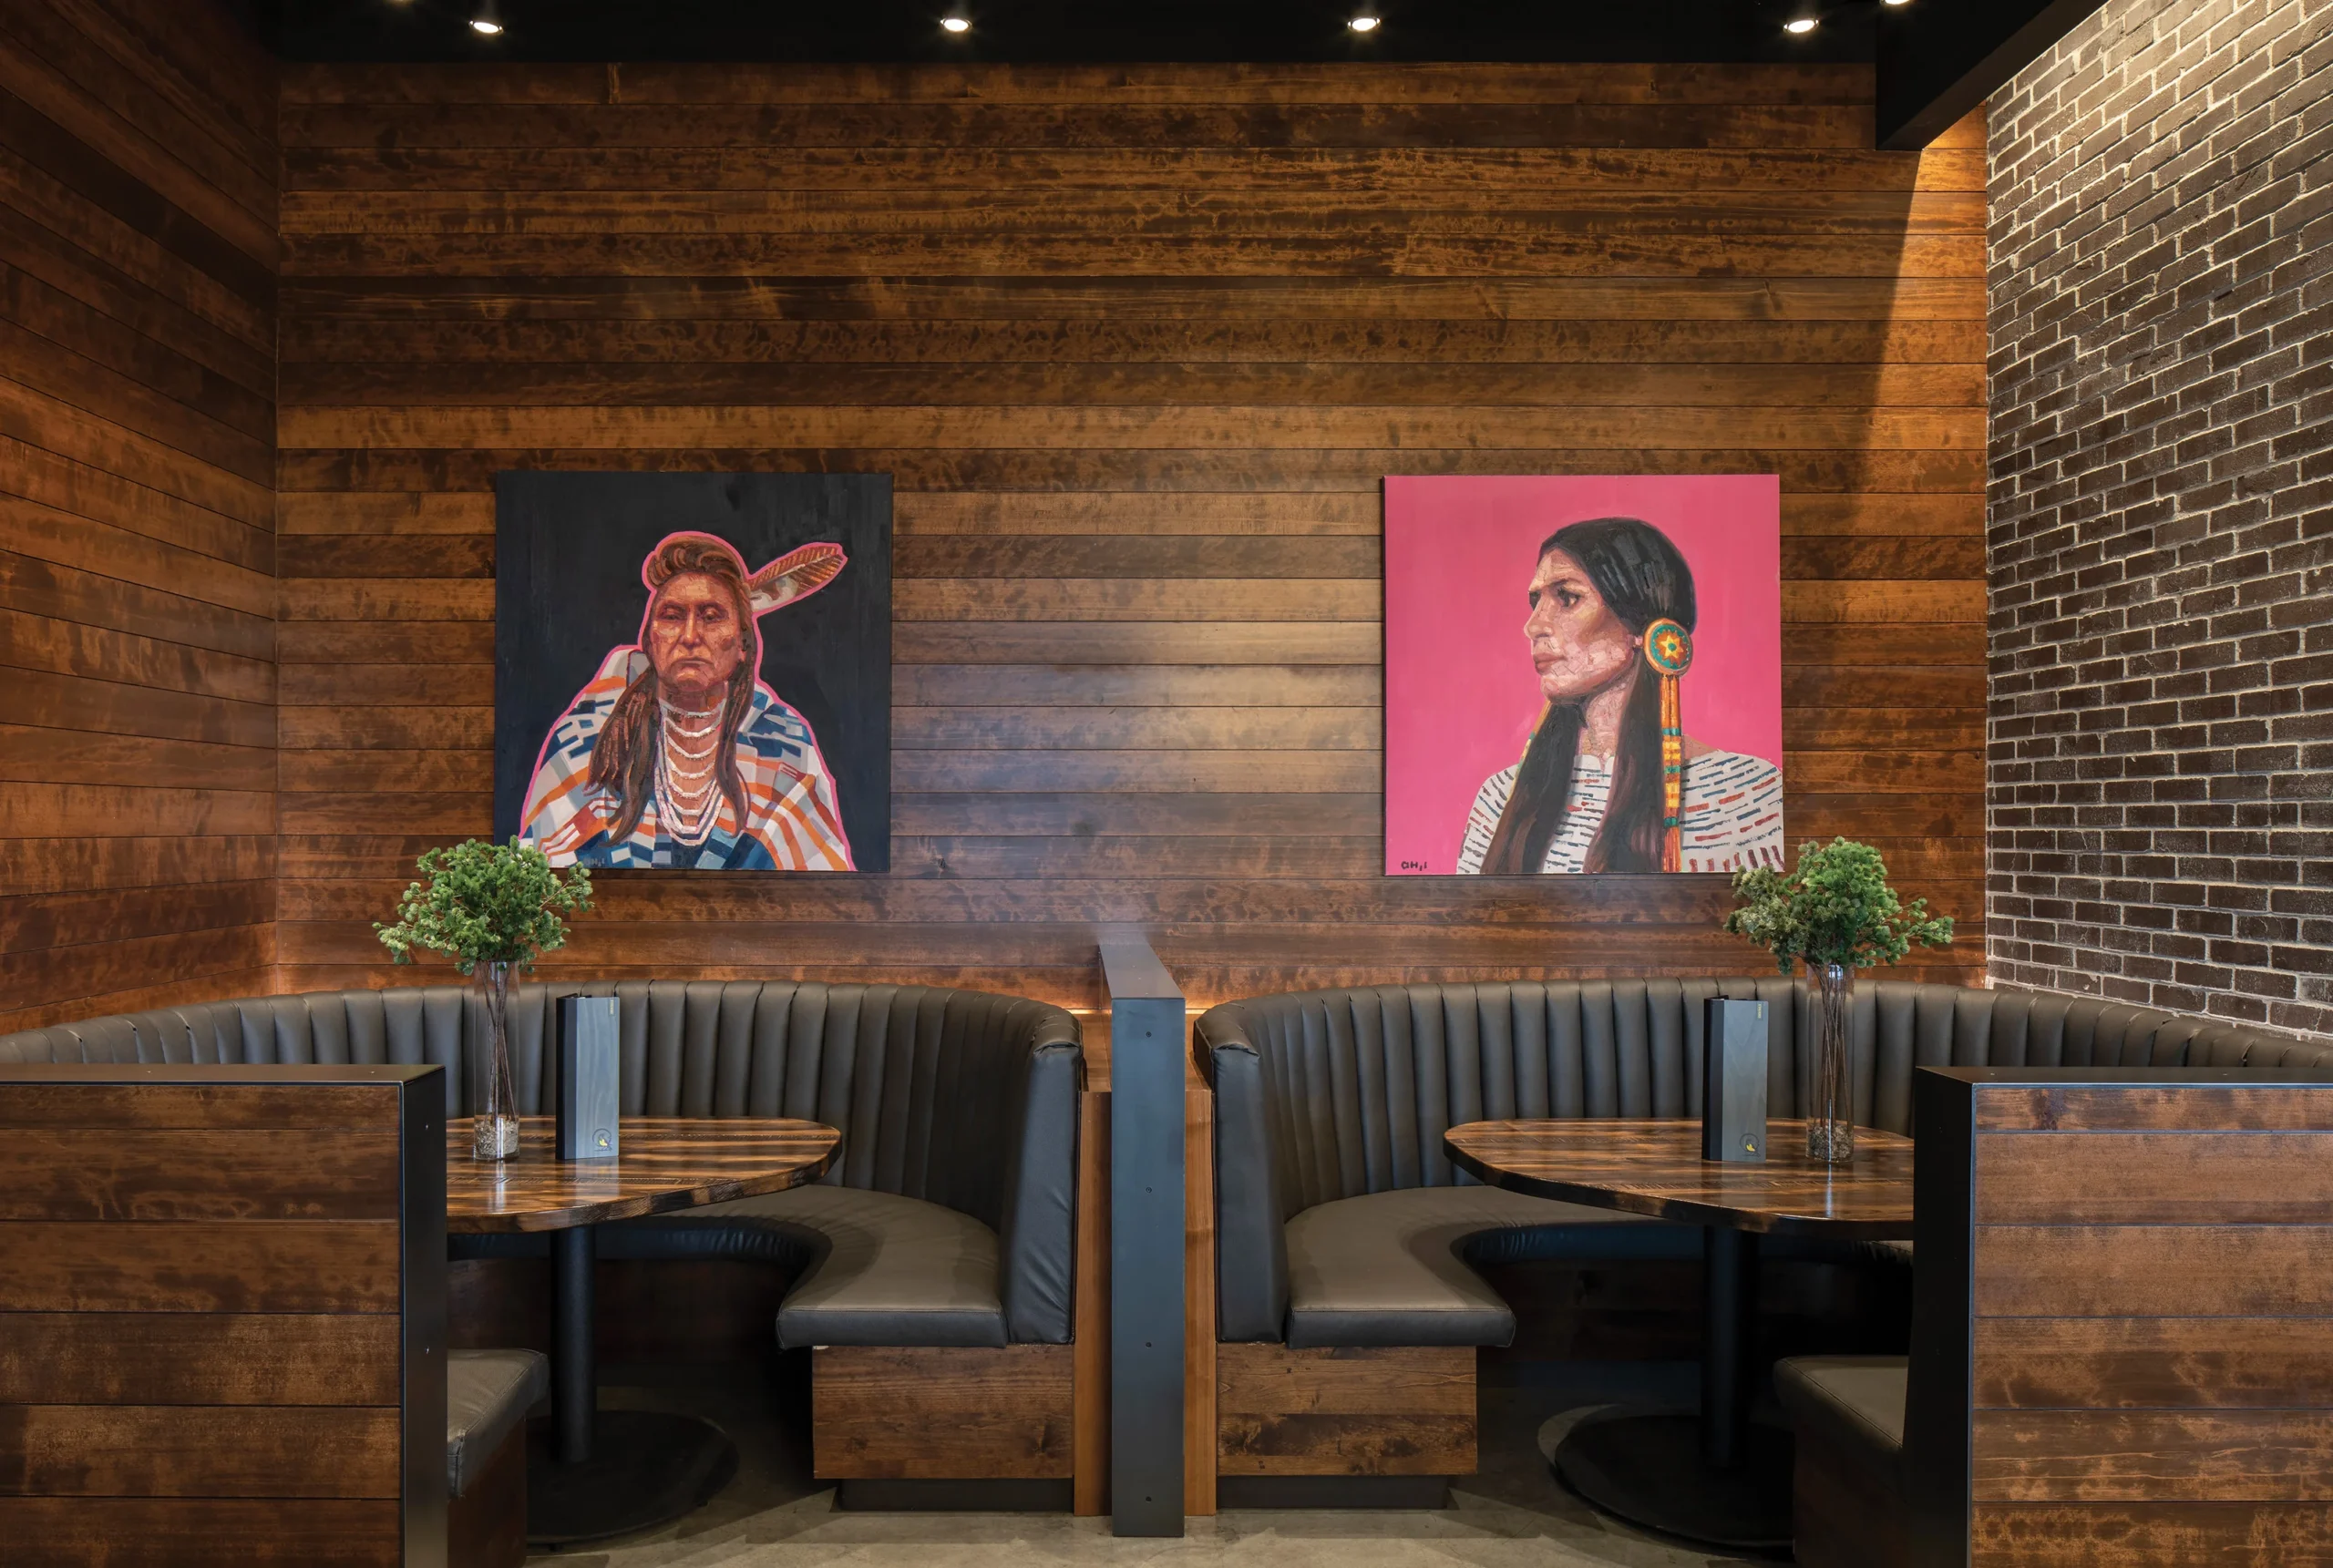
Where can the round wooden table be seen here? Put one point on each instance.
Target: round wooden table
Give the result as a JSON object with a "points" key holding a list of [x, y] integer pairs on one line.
{"points": [[1702, 1477], [612, 1473]]}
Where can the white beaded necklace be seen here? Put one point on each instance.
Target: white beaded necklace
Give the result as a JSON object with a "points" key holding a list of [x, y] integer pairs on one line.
{"points": [[688, 800]]}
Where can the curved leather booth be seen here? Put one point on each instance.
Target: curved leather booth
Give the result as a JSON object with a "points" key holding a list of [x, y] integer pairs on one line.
{"points": [[948, 1218], [1341, 1222]]}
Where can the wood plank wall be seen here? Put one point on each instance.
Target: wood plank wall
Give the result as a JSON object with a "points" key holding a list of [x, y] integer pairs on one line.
{"points": [[225, 1378], [1138, 346], [137, 248], [2151, 1368]]}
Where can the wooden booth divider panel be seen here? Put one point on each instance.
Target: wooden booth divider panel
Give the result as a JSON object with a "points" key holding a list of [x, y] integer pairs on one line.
{"points": [[2148, 1375], [222, 1318]]}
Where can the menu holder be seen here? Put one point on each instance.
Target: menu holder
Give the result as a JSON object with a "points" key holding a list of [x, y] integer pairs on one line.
{"points": [[588, 1077], [1733, 1081]]}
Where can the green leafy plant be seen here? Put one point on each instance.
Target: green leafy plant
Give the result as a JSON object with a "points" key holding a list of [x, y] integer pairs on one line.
{"points": [[483, 903], [1834, 908]]}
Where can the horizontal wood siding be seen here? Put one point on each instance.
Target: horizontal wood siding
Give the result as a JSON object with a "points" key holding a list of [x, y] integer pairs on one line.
{"points": [[218, 1359], [1138, 348], [955, 1414], [206, 1533], [1403, 1411], [138, 259], [2152, 1368]]}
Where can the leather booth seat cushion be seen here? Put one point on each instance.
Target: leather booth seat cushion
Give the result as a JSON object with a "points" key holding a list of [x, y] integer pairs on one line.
{"points": [[885, 1270], [488, 1393], [1852, 1405], [872, 1268], [1398, 1267], [1386, 1269]]}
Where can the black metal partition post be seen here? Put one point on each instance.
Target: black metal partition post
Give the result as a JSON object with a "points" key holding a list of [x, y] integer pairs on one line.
{"points": [[1147, 1052]]}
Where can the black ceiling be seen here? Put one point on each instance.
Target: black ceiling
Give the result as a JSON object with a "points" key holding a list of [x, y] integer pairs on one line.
{"points": [[1065, 31]]}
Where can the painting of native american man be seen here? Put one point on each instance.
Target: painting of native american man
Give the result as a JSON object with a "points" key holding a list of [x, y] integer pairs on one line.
{"points": [[677, 751]]}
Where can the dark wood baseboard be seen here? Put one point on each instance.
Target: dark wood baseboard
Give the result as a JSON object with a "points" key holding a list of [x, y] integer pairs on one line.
{"points": [[486, 1526], [941, 1414], [1407, 1412]]}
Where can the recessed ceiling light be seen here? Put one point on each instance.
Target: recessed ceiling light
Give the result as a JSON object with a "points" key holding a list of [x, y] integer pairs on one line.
{"points": [[1365, 23], [1898, 2], [486, 26], [1801, 24], [956, 22]]}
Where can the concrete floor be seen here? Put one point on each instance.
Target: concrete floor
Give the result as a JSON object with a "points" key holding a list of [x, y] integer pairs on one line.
{"points": [[1512, 1514]]}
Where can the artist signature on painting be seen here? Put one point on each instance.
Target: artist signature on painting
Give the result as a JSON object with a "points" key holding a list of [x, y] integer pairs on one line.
{"points": [[1413, 866]]}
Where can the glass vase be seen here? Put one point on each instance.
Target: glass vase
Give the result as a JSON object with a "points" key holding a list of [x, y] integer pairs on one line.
{"points": [[1831, 1108], [494, 1129]]}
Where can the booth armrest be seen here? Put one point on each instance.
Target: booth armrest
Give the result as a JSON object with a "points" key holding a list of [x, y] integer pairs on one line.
{"points": [[1251, 1243], [1037, 1235]]}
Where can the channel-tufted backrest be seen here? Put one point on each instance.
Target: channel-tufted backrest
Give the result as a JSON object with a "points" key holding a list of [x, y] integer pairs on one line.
{"points": [[1339, 1093], [1323, 1095], [933, 1089]]}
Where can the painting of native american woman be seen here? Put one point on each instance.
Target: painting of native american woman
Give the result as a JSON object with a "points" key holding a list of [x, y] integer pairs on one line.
{"points": [[1583, 675], [675, 750]]}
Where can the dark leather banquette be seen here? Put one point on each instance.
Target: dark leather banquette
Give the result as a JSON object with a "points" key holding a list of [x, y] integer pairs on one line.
{"points": [[1340, 1221], [948, 1218]]}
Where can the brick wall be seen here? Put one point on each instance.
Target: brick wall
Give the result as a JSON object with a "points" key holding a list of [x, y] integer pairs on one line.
{"points": [[2161, 512]]}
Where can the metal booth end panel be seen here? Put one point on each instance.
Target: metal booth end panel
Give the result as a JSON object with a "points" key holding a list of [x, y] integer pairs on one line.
{"points": [[1147, 1219]]}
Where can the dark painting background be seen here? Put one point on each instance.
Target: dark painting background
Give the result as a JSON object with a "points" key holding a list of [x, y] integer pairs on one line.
{"points": [[568, 549]]}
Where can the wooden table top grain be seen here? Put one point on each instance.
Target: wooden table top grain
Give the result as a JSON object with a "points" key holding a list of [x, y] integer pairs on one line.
{"points": [[1648, 1167], [665, 1163]]}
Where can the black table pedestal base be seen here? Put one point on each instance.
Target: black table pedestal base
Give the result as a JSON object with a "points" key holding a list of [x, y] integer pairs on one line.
{"points": [[646, 1468], [1648, 1469]]}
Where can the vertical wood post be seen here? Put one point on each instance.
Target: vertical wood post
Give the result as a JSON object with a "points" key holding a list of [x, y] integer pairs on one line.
{"points": [[1147, 1241], [1090, 1420], [1198, 1302]]}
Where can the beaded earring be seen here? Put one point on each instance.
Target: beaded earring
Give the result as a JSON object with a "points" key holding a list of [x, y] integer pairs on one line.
{"points": [[1669, 648]]}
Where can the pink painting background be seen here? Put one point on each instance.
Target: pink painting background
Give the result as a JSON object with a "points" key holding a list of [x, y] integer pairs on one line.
{"points": [[1460, 693]]}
